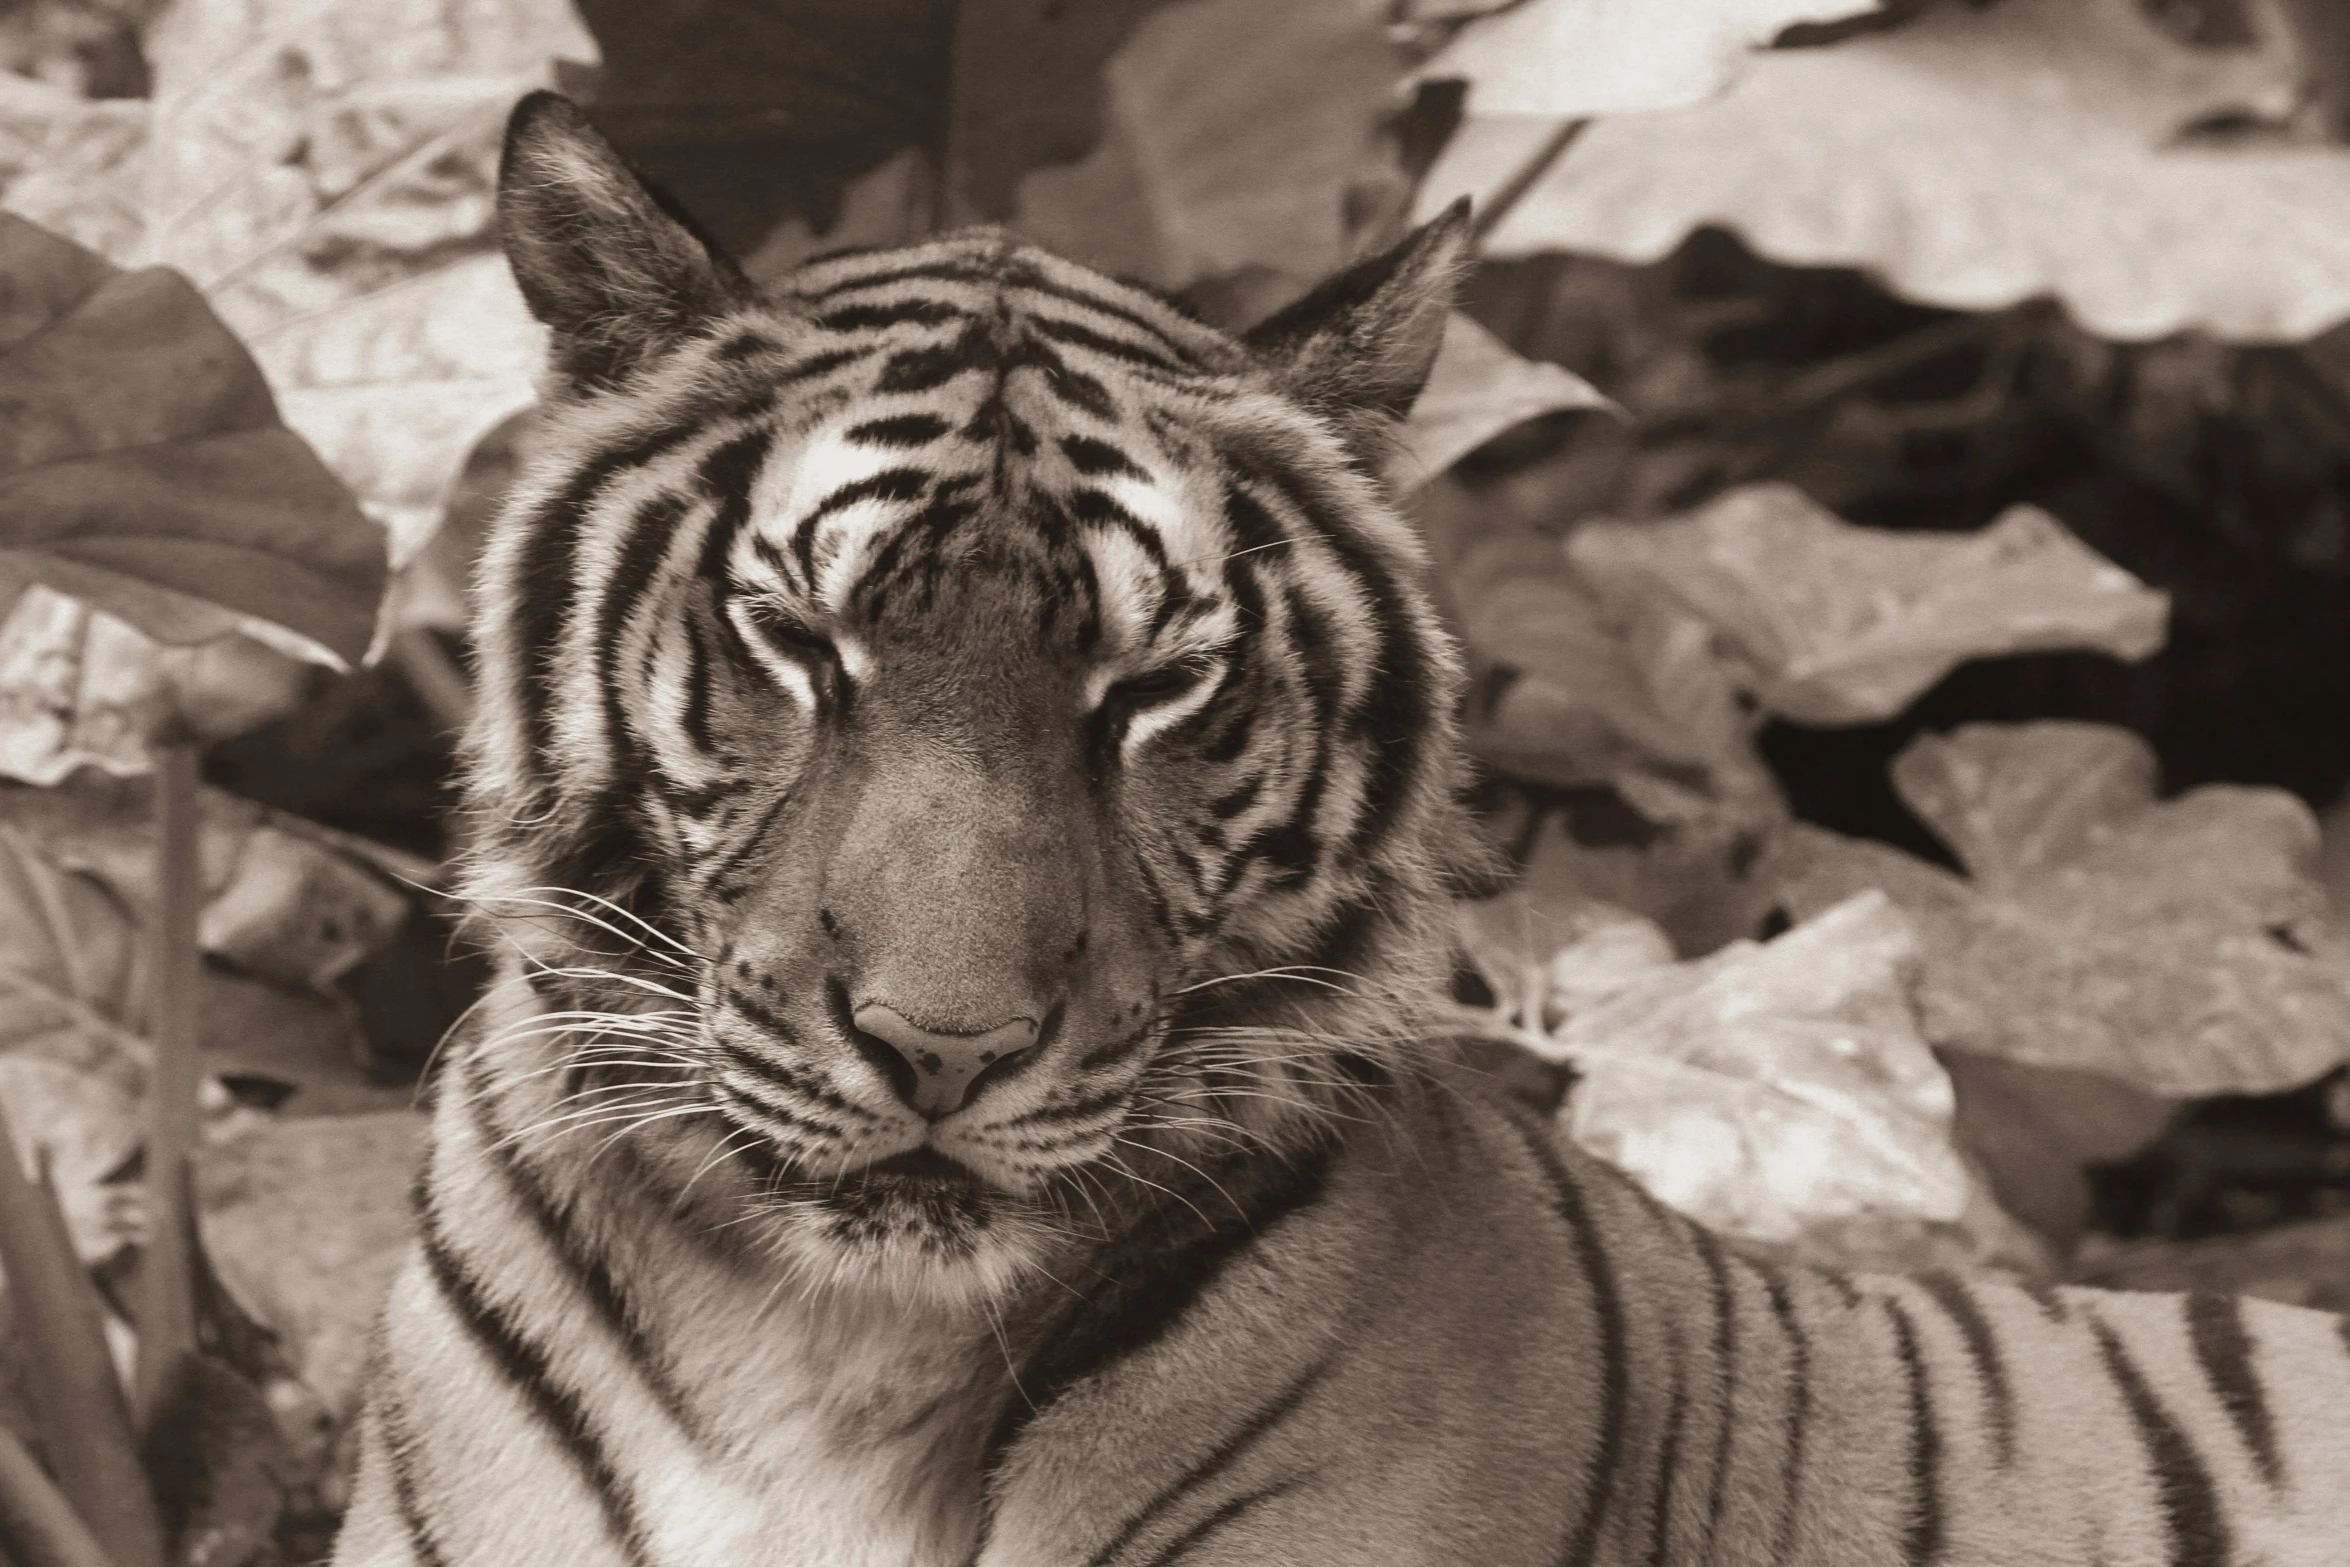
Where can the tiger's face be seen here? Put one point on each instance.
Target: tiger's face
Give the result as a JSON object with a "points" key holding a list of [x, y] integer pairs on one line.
{"points": [[999, 710]]}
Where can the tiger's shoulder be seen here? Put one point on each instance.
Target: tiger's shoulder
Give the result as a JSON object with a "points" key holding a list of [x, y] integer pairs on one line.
{"points": [[1459, 1338]]}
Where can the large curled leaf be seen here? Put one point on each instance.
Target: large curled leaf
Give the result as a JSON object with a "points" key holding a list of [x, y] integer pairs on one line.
{"points": [[143, 469], [751, 115], [325, 172], [2180, 946], [1604, 691], [1781, 1091], [1557, 59], [1828, 623], [1979, 156]]}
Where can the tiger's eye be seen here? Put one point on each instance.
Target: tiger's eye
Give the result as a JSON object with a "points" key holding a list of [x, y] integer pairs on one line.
{"points": [[783, 634], [794, 639], [1160, 686]]}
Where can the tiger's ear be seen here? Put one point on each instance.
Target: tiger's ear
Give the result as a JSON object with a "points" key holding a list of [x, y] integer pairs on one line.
{"points": [[600, 258], [1365, 339]]}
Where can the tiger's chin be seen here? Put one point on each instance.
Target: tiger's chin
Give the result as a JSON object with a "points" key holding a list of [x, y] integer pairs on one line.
{"points": [[916, 1227]]}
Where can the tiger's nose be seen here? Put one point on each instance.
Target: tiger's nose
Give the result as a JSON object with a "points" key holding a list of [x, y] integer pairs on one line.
{"points": [[945, 1067]]}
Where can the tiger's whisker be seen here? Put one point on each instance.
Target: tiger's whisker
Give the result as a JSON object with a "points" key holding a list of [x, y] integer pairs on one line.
{"points": [[597, 900]]}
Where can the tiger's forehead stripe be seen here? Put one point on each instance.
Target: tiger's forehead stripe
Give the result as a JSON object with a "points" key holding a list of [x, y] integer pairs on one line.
{"points": [[983, 263], [948, 410]]}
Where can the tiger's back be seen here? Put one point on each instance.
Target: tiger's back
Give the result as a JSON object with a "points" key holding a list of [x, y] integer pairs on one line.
{"points": [[965, 778]]}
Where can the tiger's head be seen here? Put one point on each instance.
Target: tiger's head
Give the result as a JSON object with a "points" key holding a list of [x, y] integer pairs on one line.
{"points": [[978, 727]]}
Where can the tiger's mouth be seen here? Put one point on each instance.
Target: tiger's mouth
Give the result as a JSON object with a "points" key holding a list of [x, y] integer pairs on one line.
{"points": [[919, 1169], [925, 1165]]}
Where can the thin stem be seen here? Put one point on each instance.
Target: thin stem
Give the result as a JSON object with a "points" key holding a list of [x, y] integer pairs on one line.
{"points": [[1513, 190], [167, 1297], [37, 1525]]}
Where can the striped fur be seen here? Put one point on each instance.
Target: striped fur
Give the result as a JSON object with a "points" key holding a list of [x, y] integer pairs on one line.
{"points": [[960, 631]]}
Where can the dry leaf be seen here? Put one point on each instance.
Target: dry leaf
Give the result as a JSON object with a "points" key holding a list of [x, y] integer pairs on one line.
{"points": [[1973, 158], [1689, 874], [2182, 947], [1836, 624], [325, 172], [1772, 1089], [73, 967], [1423, 11], [83, 1126], [2301, 1264], [143, 469], [1547, 952], [1563, 59], [1234, 131], [81, 688], [279, 903], [73, 1064], [71, 1071], [306, 1221], [2015, 800], [1478, 389], [76, 166]]}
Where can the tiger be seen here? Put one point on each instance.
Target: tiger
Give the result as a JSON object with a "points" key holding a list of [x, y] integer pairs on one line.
{"points": [[965, 790]]}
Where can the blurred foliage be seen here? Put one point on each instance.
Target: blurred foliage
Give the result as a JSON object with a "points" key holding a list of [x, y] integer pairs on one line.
{"points": [[2215, 473]]}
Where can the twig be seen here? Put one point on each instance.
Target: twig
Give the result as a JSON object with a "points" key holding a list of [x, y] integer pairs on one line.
{"points": [[1842, 377], [37, 1526], [1511, 191], [1826, 383], [167, 1300], [77, 1400]]}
